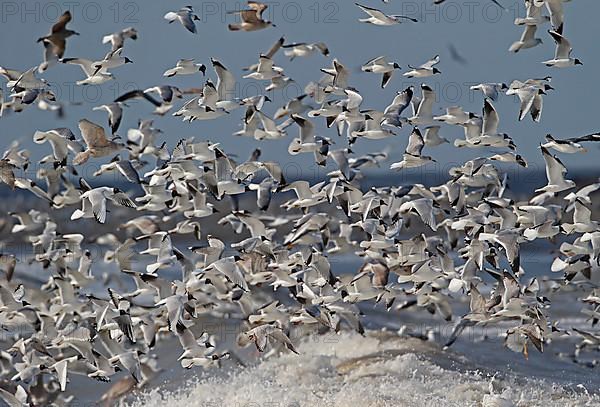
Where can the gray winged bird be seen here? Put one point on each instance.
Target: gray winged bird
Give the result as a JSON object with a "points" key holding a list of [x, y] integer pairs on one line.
{"points": [[185, 16], [56, 41], [252, 19], [260, 337], [97, 143]]}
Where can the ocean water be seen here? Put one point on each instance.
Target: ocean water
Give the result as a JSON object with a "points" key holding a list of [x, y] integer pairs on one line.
{"points": [[379, 369]]}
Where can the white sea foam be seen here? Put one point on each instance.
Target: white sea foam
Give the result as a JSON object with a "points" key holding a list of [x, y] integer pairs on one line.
{"points": [[362, 371]]}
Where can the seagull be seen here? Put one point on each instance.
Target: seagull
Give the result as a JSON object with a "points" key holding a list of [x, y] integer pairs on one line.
{"points": [[424, 111], [527, 40], [490, 119], [377, 17], [372, 128], [125, 167], [555, 8], [94, 203], [115, 114], [55, 42], [270, 53], [412, 155], [425, 70], [62, 140], [534, 15], [226, 80], [510, 158], [509, 240], [252, 19], [95, 76], [294, 106], [555, 172], [112, 60], [185, 16], [230, 269], [432, 137], [563, 146], [381, 65], [162, 247], [393, 111], [423, 208], [265, 71], [166, 92], [303, 49], [97, 145], [117, 39], [192, 347], [490, 90], [185, 67], [24, 80], [531, 102], [7, 174], [260, 337], [562, 57], [339, 74], [456, 56], [306, 141], [160, 108], [454, 115]]}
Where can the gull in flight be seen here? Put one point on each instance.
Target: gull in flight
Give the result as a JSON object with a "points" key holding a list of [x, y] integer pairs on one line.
{"points": [[117, 39], [94, 203], [95, 75], [112, 60], [252, 19], [412, 155], [303, 49], [555, 172], [423, 112], [527, 40], [260, 337], [115, 114], [56, 41], [454, 115], [562, 56], [378, 17], [490, 90], [531, 102], [425, 70], [381, 65], [62, 140], [185, 16], [97, 143], [185, 67], [563, 146], [265, 71]]}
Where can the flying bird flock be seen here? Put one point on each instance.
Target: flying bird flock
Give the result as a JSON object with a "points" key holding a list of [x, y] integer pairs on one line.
{"points": [[199, 232]]}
